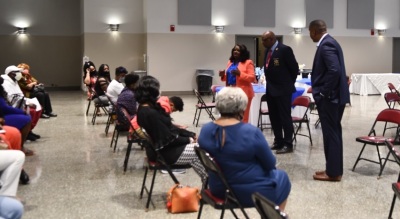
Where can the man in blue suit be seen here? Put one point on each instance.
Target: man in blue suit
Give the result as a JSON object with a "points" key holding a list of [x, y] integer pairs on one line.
{"points": [[331, 94], [281, 69]]}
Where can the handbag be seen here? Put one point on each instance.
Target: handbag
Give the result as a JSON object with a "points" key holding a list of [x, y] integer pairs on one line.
{"points": [[17, 101], [38, 88], [181, 199]]}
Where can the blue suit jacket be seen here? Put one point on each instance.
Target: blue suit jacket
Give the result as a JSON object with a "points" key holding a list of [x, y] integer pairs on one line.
{"points": [[282, 71], [328, 76]]}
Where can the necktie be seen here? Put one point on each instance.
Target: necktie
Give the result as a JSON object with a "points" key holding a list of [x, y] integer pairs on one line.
{"points": [[268, 58]]}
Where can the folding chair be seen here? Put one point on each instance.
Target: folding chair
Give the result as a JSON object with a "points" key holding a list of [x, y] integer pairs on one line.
{"points": [[266, 208], [155, 165], [214, 91], [302, 101], [89, 100], [202, 105], [112, 115], [313, 108], [391, 99], [386, 115], [396, 185], [98, 106], [393, 89], [230, 200], [263, 111]]}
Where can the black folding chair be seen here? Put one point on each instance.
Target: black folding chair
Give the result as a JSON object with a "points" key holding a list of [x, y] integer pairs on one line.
{"points": [[385, 116], [155, 165], [97, 106], [112, 115], [202, 105], [230, 200], [263, 111], [266, 208], [396, 185]]}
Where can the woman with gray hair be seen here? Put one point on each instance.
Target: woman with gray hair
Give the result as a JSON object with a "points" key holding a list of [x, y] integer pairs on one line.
{"points": [[242, 153]]}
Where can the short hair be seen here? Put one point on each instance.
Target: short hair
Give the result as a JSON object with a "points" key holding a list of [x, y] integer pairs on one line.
{"points": [[120, 70], [244, 53], [148, 90], [231, 100], [318, 25], [131, 78], [178, 103]]}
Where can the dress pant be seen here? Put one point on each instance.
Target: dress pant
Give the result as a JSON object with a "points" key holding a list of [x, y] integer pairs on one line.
{"points": [[44, 100], [330, 114], [280, 115], [11, 162]]}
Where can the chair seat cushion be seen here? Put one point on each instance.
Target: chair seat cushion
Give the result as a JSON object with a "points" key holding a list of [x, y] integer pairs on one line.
{"points": [[378, 140], [396, 188], [206, 193], [264, 111], [298, 119], [208, 105]]}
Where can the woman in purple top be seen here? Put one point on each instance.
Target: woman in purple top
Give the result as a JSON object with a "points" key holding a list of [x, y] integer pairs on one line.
{"points": [[243, 154]]}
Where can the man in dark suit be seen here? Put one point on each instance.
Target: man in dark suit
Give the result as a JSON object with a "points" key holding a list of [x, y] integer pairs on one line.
{"points": [[331, 94], [280, 70]]}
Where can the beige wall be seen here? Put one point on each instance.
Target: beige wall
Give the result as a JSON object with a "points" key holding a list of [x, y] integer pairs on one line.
{"points": [[54, 60]]}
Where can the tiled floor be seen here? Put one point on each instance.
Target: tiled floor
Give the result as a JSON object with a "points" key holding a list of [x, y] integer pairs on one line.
{"points": [[75, 174]]}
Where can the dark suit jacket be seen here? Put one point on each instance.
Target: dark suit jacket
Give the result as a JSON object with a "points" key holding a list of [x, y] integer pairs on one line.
{"points": [[282, 71], [328, 74]]}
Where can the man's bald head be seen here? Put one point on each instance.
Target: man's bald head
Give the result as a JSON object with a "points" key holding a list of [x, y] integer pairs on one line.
{"points": [[268, 39]]}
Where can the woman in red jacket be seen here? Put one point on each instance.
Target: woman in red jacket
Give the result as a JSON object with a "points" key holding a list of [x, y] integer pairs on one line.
{"points": [[240, 73]]}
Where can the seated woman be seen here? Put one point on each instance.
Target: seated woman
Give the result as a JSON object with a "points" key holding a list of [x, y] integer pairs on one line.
{"points": [[242, 153], [100, 87], [126, 98], [175, 145], [32, 88], [89, 77]]}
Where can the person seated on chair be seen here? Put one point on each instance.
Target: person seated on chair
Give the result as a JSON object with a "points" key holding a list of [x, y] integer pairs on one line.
{"points": [[11, 162], [32, 88], [174, 144], [116, 86], [101, 85], [10, 89], [172, 104], [126, 99], [89, 77], [243, 154]]}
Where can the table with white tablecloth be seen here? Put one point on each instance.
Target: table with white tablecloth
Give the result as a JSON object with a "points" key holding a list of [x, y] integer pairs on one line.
{"points": [[373, 83]]}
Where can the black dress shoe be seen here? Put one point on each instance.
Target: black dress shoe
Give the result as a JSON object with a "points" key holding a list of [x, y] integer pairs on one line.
{"points": [[285, 150], [44, 116], [31, 137], [276, 146], [24, 178], [52, 115], [35, 135]]}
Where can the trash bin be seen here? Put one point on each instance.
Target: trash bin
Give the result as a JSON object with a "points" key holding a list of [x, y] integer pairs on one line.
{"points": [[141, 73], [204, 80]]}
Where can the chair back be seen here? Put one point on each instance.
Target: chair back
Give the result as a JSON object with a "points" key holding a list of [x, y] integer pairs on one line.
{"points": [[266, 208], [199, 98], [263, 101], [392, 88], [211, 165], [389, 115], [302, 101], [391, 99]]}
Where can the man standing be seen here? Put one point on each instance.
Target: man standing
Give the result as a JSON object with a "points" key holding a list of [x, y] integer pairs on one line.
{"points": [[280, 70], [331, 93]]}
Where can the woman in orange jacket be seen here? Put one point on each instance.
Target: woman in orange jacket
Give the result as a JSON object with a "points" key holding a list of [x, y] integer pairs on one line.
{"points": [[240, 73]]}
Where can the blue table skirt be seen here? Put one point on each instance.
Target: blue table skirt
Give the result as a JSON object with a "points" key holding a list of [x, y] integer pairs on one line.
{"points": [[262, 89], [304, 81]]}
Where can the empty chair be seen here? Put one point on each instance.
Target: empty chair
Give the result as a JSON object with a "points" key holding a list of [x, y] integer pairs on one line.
{"points": [[393, 89], [263, 111], [230, 201], [302, 101], [391, 99], [201, 105], [396, 185], [385, 116], [266, 208], [313, 108]]}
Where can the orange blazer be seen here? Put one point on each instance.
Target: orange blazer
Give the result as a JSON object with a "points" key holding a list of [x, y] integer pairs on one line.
{"points": [[247, 76]]}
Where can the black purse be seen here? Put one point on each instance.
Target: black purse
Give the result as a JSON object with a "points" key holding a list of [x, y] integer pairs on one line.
{"points": [[38, 88]]}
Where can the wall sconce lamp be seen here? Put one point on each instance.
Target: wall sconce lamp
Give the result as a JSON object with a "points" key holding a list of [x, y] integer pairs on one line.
{"points": [[219, 29], [21, 30], [114, 27], [297, 30], [381, 32]]}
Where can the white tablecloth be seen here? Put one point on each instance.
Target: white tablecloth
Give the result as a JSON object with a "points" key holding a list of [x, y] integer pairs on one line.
{"points": [[373, 83]]}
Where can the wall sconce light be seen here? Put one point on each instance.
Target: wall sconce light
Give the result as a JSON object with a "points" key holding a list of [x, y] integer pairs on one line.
{"points": [[114, 27], [297, 30], [219, 29], [381, 32], [21, 30]]}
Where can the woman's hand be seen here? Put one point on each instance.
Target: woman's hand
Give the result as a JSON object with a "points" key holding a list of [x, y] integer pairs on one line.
{"points": [[236, 72], [30, 85], [221, 73]]}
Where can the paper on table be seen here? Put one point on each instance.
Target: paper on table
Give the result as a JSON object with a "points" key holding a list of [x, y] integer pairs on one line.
{"points": [[34, 101]]}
